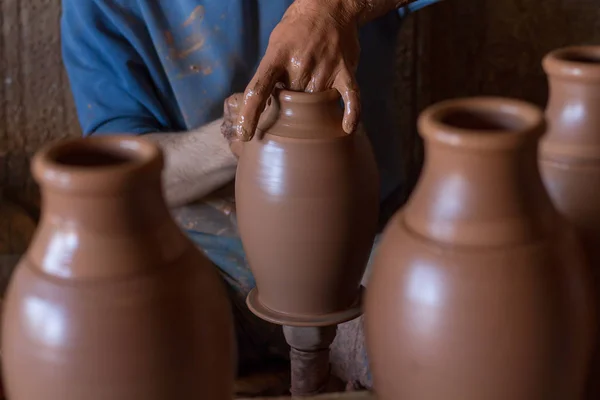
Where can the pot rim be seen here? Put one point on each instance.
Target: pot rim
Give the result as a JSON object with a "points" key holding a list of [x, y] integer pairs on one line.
{"points": [[306, 97], [530, 121], [126, 159], [574, 62]]}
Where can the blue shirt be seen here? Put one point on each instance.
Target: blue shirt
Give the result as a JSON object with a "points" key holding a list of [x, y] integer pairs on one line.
{"points": [[167, 65]]}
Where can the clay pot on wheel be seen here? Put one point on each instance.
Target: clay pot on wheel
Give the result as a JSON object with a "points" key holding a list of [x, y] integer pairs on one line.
{"points": [[479, 289], [307, 205], [570, 152], [111, 300]]}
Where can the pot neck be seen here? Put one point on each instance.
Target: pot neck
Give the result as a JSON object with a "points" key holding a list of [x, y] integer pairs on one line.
{"points": [[573, 104], [480, 184], [102, 207], [303, 115]]}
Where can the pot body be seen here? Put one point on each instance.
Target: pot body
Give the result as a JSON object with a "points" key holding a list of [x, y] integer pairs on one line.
{"points": [[307, 203], [570, 154], [111, 300], [479, 289], [476, 324]]}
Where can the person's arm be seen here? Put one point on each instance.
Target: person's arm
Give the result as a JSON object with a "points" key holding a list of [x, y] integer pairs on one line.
{"points": [[114, 94], [196, 163], [315, 47]]}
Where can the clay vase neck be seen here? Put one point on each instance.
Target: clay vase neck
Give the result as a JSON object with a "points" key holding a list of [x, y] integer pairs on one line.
{"points": [[303, 115], [574, 102], [101, 193], [480, 184]]}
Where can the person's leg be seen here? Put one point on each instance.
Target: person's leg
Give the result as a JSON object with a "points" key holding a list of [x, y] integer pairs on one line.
{"points": [[257, 340]]}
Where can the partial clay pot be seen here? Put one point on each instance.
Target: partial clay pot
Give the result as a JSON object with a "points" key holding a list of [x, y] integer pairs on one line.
{"points": [[307, 198], [111, 300], [479, 289], [570, 153]]}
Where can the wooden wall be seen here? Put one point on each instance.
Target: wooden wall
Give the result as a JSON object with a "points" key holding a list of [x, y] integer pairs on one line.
{"points": [[35, 101], [484, 47], [455, 48]]}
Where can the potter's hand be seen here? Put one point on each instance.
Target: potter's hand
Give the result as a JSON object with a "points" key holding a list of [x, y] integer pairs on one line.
{"points": [[314, 47], [231, 109]]}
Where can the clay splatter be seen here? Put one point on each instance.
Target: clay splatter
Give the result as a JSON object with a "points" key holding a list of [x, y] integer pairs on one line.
{"points": [[195, 47], [198, 13], [194, 69]]}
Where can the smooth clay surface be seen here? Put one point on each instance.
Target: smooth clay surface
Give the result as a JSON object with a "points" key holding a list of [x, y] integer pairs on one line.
{"points": [[307, 202], [111, 300], [479, 290], [570, 154]]}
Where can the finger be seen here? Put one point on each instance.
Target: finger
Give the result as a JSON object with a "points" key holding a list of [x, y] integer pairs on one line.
{"points": [[228, 130], [231, 107], [234, 101], [299, 83], [345, 83], [320, 80], [299, 73], [258, 91]]}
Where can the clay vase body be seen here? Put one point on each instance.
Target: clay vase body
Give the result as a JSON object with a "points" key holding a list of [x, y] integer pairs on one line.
{"points": [[111, 300], [307, 203], [479, 289], [570, 153]]}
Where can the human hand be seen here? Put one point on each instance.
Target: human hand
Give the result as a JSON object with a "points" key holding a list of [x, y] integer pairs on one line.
{"points": [[231, 108], [315, 47]]}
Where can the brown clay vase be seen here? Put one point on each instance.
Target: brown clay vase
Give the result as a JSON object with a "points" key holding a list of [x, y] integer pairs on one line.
{"points": [[111, 300], [570, 153], [479, 289], [307, 203]]}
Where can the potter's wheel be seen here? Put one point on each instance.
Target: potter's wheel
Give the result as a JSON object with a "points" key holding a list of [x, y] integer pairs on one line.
{"points": [[275, 317]]}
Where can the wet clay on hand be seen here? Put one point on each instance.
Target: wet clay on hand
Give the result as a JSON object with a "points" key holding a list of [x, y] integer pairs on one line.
{"points": [[231, 108], [112, 300], [570, 155], [480, 290], [315, 47], [307, 201]]}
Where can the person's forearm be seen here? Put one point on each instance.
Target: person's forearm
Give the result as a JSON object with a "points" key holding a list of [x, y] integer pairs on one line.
{"points": [[196, 163]]}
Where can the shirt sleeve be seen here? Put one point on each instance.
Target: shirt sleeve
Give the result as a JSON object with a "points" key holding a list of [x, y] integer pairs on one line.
{"points": [[415, 6], [111, 84]]}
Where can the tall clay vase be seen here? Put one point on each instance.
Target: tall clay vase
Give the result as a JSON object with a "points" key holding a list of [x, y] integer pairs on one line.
{"points": [[479, 290], [570, 153], [307, 202], [111, 300]]}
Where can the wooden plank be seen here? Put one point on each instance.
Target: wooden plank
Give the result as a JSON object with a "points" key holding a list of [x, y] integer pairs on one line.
{"points": [[35, 100], [495, 47]]}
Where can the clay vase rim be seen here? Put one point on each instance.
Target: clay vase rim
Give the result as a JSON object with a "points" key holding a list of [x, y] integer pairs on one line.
{"points": [[273, 108], [502, 123], [306, 97], [574, 62], [96, 165]]}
